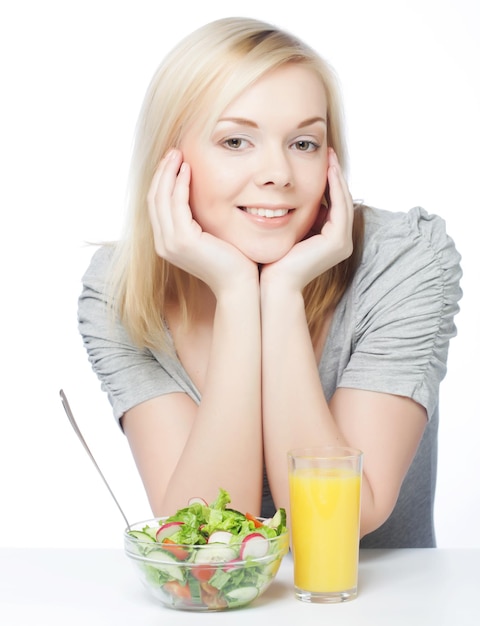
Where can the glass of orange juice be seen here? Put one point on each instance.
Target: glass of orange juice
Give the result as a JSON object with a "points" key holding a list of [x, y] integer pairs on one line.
{"points": [[325, 488]]}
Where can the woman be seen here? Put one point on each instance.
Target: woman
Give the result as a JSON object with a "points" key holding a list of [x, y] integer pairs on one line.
{"points": [[255, 308]]}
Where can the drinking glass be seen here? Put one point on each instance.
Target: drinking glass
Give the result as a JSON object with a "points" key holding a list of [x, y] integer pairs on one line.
{"points": [[325, 488]]}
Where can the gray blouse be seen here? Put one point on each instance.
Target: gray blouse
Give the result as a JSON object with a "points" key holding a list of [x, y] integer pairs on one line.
{"points": [[389, 333]]}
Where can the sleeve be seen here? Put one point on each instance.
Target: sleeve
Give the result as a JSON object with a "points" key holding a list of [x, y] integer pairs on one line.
{"points": [[128, 374], [405, 298]]}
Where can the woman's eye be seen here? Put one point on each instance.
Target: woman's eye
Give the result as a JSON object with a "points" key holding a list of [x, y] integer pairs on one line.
{"points": [[234, 143], [304, 145]]}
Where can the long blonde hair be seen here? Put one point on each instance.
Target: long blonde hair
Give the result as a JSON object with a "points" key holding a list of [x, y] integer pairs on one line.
{"points": [[197, 80]]}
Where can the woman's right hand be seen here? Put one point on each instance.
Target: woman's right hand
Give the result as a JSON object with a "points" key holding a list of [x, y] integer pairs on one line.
{"points": [[180, 240]]}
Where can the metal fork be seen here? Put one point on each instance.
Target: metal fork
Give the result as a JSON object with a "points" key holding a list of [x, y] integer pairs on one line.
{"points": [[74, 424]]}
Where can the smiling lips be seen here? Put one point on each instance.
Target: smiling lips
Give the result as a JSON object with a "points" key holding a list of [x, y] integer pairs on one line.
{"points": [[262, 212]]}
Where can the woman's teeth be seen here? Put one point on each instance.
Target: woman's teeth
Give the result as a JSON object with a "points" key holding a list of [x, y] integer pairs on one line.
{"points": [[266, 212]]}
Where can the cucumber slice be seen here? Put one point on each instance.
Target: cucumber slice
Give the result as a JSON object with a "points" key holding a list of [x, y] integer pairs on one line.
{"points": [[242, 595], [141, 536], [215, 553], [151, 532], [278, 520], [165, 562]]}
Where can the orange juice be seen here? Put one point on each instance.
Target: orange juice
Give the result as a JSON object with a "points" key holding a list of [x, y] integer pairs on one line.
{"points": [[324, 516]]}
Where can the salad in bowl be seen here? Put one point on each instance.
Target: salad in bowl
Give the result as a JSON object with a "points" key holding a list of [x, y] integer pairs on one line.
{"points": [[208, 557]]}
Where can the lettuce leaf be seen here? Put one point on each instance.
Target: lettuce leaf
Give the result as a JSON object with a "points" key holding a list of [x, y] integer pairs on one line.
{"points": [[200, 521]]}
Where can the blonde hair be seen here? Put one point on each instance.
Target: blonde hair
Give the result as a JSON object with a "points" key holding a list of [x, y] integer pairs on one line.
{"points": [[196, 81]]}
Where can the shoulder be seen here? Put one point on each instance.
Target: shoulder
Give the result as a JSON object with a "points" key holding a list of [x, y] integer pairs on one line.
{"points": [[100, 264], [413, 227], [402, 304], [409, 245]]}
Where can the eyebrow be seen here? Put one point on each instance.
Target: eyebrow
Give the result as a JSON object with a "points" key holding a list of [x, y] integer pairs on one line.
{"points": [[245, 122]]}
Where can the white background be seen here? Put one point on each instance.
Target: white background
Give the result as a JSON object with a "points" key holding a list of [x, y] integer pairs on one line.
{"points": [[73, 75]]}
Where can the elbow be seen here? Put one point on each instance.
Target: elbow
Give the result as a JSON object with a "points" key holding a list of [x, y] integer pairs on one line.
{"points": [[374, 514]]}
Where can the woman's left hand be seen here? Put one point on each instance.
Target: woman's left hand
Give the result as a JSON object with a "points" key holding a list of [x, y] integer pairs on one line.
{"points": [[312, 256]]}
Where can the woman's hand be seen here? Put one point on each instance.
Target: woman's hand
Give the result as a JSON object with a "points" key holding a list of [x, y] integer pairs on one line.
{"points": [[221, 351], [179, 239], [312, 256]]}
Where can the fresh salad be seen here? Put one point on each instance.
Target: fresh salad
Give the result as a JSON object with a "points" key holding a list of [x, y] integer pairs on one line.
{"points": [[209, 556]]}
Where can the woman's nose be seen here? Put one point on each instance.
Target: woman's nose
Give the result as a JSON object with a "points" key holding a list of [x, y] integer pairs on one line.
{"points": [[274, 169]]}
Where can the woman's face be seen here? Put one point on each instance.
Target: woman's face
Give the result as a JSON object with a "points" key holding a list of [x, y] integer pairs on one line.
{"points": [[258, 180]]}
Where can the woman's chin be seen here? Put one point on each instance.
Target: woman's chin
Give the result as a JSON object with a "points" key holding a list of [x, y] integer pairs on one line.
{"points": [[265, 256]]}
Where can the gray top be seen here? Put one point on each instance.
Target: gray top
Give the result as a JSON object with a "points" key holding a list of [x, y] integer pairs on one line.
{"points": [[389, 333]]}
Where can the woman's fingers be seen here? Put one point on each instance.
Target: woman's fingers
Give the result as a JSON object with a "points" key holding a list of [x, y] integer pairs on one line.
{"points": [[338, 227], [168, 206], [181, 213], [316, 254], [340, 197], [179, 239], [160, 196]]}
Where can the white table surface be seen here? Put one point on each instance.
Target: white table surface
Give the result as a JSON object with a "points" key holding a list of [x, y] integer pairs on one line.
{"points": [[100, 587]]}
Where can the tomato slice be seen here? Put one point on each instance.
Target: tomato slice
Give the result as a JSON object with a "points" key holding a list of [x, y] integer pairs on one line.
{"points": [[177, 551], [203, 573], [174, 588], [212, 597], [252, 518]]}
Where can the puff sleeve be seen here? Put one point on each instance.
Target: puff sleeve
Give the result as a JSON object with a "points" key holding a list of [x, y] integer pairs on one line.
{"points": [[130, 375], [405, 296]]}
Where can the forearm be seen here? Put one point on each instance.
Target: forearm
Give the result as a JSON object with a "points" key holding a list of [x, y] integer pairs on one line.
{"points": [[224, 446], [295, 411]]}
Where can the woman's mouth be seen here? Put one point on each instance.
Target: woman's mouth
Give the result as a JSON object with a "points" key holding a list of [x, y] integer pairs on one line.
{"points": [[263, 212]]}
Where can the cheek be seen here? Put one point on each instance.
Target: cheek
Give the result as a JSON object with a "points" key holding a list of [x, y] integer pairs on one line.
{"points": [[212, 186], [208, 200], [322, 185], [202, 188], [322, 177], [314, 184], [312, 176], [320, 219], [315, 193]]}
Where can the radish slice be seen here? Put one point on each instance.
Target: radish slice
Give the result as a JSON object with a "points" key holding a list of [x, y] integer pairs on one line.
{"points": [[166, 530], [220, 536], [254, 545], [197, 501]]}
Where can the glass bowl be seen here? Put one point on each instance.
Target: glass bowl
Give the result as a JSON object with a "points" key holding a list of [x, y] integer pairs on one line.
{"points": [[210, 577]]}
